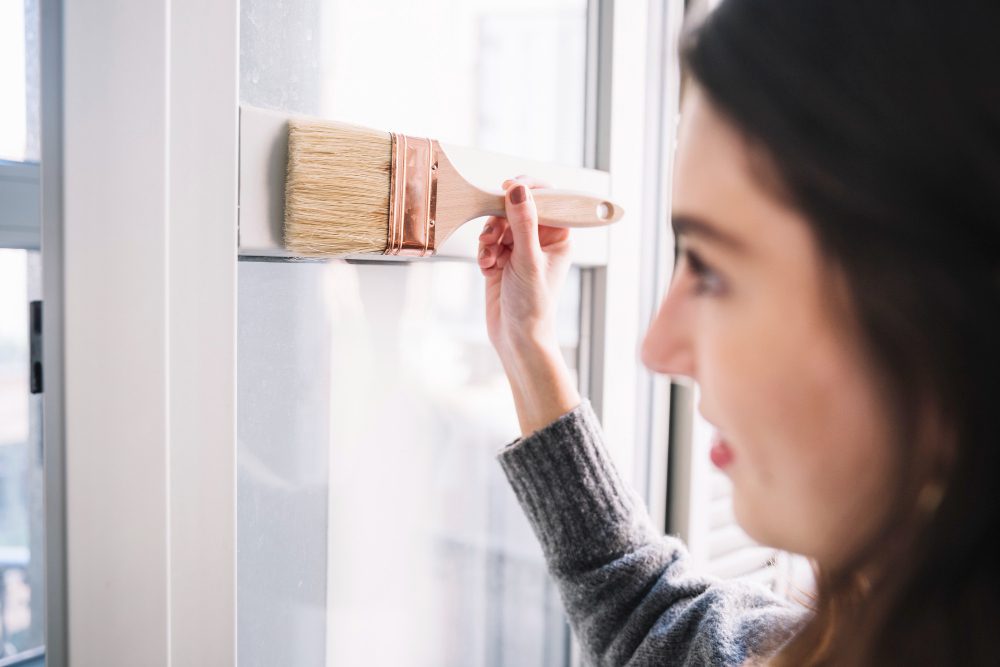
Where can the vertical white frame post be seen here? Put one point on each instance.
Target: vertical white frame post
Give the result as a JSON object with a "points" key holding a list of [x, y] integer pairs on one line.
{"points": [[150, 102], [618, 140], [53, 297], [203, 223], [632, 132], [663, 114]]}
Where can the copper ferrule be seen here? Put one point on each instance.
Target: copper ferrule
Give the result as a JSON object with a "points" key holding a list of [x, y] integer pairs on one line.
{"points": [[412, 196]]}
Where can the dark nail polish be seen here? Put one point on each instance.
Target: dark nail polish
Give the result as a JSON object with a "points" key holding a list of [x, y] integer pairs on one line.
{"points": [[517, 195]]}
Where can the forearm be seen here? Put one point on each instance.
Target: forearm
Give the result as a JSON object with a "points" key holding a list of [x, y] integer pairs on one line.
{"points": [[627, 588], [541, 384]]}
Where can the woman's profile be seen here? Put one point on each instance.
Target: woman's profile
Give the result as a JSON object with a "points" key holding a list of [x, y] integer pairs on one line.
{"points": [[836, 297]]}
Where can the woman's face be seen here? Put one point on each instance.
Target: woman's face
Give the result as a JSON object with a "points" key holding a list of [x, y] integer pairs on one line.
{"points": [[765, 329]]}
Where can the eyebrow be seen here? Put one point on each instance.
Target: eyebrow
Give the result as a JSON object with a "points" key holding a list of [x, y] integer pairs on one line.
{"points": [[687, 225]]}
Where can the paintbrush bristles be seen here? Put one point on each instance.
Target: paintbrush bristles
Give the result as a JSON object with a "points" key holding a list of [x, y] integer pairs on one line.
{"points": [[336, 188]]}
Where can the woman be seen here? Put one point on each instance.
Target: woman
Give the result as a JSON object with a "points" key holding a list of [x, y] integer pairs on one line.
{"points": [[837, 298]]}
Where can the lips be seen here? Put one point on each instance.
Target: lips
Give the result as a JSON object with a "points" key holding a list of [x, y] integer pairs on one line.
{"points": [[721, 453]]}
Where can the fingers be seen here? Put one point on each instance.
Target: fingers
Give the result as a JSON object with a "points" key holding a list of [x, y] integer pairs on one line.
{"points": [[497, 240], [508, 236], [548, 236], [490, 231], [522, 217], [487, 245], [495, 233], [493, 258], [503, 257], [495, 230]]}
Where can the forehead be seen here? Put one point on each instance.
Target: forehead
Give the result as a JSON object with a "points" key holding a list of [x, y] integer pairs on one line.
{"points": [[712, 165], [716, 180]]}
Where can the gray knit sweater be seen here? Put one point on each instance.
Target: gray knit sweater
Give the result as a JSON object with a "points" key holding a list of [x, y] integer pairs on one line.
{"points": [[627, 589]]}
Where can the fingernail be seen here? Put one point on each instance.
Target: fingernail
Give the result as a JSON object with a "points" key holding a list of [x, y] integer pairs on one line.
{"points": [[484, 253], [487, 229], [517, 195]]}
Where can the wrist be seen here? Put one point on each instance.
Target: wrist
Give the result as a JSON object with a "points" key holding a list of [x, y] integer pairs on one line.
{"points": [[528, 359], [542, 385]]}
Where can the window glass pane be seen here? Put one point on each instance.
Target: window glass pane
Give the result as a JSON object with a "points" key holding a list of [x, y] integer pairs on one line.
{"points": [[371, 404], [19, 71], [507, 77], [375, 526], [21, 561]]}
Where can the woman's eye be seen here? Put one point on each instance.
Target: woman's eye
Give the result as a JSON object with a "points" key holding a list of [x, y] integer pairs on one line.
{"points": [[707, 281]]}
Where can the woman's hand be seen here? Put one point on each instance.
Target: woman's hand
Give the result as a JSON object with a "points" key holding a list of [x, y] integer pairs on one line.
{"points": [[525, 266]]}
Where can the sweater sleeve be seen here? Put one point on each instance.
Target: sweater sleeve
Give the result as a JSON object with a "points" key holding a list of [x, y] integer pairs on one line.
{"points": [[628, 590]]}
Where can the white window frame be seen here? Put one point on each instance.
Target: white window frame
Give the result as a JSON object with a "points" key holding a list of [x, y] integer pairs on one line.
{"points": [[143, 129], [663, 83], [20, 228]]}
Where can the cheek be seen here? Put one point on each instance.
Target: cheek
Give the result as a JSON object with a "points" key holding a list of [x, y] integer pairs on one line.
{"points": [[806, 433], [764, 391]]}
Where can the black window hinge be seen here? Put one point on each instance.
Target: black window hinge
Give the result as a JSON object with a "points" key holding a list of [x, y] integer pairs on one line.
{"points": [[35, 345]]}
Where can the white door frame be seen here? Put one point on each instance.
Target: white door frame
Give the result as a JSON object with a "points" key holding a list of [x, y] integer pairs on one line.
{"points": [[149, 231]]}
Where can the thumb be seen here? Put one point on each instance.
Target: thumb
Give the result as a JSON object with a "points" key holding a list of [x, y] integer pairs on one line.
{"points": [[523, 218]]}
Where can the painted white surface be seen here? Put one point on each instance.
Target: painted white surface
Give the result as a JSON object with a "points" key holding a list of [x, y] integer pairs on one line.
{"points": [[622, 333], [150, 250], [201, 274], [116, 261], [663, 102]]}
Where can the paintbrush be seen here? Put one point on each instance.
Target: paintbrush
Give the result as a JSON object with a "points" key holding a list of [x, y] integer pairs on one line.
{"points": [[351, 189]]}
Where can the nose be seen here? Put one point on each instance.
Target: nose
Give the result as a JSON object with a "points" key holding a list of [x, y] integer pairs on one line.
{"points": [[668, 346]]}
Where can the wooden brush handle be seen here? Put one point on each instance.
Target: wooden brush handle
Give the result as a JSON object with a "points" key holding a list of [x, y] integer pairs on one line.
{"points": [[565, 208], [459, 201]]}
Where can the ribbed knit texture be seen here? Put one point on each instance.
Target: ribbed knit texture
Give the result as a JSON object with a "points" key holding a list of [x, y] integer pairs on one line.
{"points": [[626, 588]]}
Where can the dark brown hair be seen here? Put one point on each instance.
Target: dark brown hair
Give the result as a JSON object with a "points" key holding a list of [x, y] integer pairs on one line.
{"points": [[881, 121]]}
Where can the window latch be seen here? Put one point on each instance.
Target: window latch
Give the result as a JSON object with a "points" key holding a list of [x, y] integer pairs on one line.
{"points": [[35, 346]]}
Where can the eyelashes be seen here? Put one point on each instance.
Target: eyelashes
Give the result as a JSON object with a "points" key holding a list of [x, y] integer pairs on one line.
{"points": [[707, 281]]}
